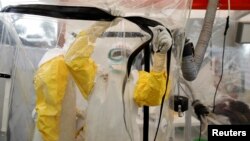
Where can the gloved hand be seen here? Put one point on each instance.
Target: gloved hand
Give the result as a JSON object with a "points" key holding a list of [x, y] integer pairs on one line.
{"points": [[162, 40], [99, 27]]}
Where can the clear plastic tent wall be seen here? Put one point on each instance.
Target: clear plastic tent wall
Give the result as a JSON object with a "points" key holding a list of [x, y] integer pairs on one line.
{"points": [[67, 75], [232, 98]]}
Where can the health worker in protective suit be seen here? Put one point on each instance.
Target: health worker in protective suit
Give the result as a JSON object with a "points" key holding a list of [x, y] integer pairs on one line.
{"points": [[59, 70]]}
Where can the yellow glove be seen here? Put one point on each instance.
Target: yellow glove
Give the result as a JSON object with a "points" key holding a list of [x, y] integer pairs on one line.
{"points": [[151, 86]]}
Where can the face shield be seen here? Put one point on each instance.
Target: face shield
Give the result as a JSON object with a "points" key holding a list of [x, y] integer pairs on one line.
{"points": [[117, 55]]}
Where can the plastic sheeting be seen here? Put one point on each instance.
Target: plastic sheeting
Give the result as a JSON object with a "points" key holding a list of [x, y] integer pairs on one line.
{"points": [[104, 109], [233, 91]]}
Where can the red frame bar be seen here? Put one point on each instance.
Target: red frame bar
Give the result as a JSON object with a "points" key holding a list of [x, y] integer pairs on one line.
{"points": [[223, 4]]}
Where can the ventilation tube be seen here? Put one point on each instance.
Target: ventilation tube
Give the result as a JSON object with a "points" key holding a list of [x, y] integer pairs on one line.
{"points": [[191, 63]]}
